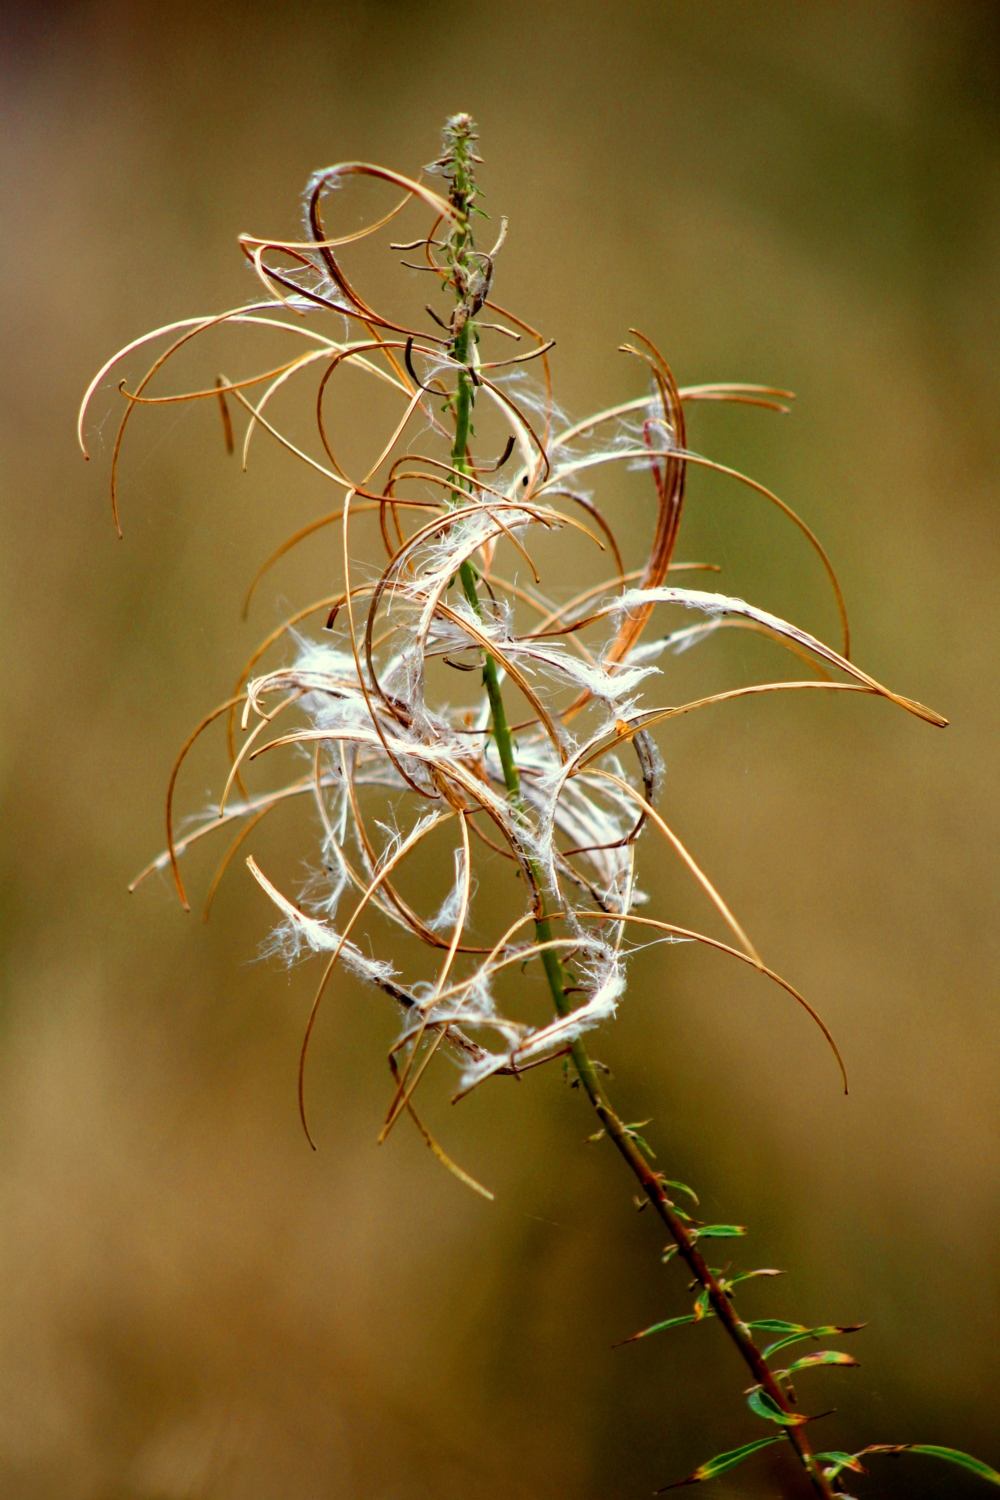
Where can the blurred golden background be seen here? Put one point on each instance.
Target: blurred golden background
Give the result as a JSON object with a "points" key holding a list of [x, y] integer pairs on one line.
{"points": [[193, 1303]]}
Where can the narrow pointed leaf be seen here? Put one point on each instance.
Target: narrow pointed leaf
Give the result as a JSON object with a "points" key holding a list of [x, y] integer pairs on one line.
{"points": [[809, 1333], [964, 1460], [749, 1275], [659, 1327], [722, 1231], [825, 1357], [765, 1406], [779, 1325], [950, 1455], [724, 1461], [633, 1132], [834, 1461], [681, 1187]]}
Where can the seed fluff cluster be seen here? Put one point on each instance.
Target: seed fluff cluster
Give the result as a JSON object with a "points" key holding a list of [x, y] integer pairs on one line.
{"points": [[363, 713]]}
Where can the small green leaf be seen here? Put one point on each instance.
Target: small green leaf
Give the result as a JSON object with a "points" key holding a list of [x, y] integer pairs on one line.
{"points": [[724, 1461], [806, 1333], [669, 1251], [964, 1460], [749, 1275], [632, 1131], [702, 1307], [721, 1231], [779, 1325], [681, 1187], [659, 1327], [766, 1406], [826, 1357], [834, 1462], [951, 1455]]}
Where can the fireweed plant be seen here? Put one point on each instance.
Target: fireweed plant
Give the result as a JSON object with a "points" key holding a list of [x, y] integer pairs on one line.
{"points": [[535, 767]]}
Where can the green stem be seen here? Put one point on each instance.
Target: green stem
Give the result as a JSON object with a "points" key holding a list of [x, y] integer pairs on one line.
{"points": [[463, 264], [587, 1073], [467, 574]]}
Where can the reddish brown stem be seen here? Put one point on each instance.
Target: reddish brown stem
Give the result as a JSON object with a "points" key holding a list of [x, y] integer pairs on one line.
{"points": [[688, 1250]]}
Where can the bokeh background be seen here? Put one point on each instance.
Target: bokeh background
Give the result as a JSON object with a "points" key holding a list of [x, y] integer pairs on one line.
{"points": [[193, 1303]]}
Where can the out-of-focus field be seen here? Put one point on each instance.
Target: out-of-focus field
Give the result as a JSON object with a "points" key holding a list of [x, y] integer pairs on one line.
{"points": [[193, 1303]]}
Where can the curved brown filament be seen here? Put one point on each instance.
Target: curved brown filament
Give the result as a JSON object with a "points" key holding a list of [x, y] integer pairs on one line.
{"points": [[312, 357], [403, 1093], [405, 911], [393, 907], [670, 493], [694, 868], [718, 606], [546, 367], [462, 775], [374, 717], [157, 365], [425, 534], [194, 735], [264, 721], [213, 824], [285, 442], [415, 837], [646, 756], [807, 532], [758, 629], [326, 247], [626, 730], [293, 541], [332, 603], [710, 942], [225, 388], [592, 510], [240, 315], [335, 244], [226, 860], [442, 1156], [462, 1044], [669, 480]]}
